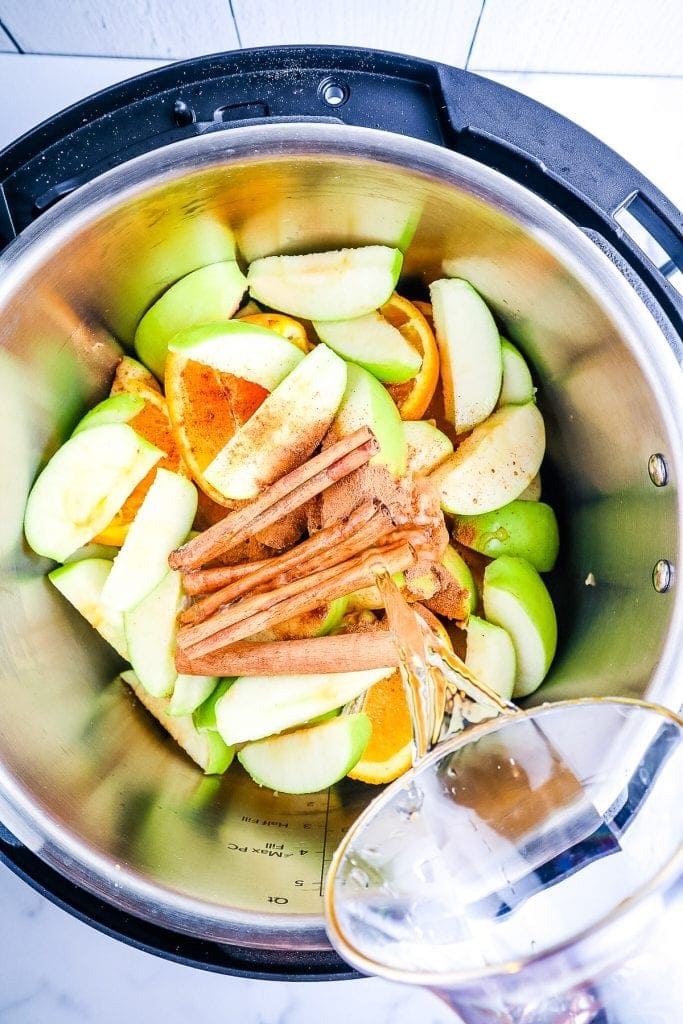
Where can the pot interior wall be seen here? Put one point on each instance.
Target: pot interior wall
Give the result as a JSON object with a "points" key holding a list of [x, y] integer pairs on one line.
{"points": [[89, 758]]}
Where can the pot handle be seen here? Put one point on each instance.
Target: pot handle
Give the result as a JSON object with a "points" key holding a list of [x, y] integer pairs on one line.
{"points": [[571, 169]]}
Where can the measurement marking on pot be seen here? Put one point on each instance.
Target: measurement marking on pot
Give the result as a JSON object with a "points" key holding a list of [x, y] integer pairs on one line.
{"points": [[324, 851]]}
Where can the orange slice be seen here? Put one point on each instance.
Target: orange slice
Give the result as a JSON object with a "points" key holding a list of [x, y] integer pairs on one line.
{"points": [[206, 407], [413, 397], [389, 752], [152, 423], [286, 326]]}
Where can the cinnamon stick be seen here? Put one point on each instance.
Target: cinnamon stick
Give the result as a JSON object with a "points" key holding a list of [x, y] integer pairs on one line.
{"points": [[278, 500], [245, 618], [203, 581], [351, 652], [348, 537]]}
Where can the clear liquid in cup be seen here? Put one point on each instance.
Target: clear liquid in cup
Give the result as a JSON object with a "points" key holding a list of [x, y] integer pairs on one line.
{"points": [[528, 864]]}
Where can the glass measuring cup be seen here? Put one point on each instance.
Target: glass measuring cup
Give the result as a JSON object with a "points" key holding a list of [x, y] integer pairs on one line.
{"points": [[528, 870]]}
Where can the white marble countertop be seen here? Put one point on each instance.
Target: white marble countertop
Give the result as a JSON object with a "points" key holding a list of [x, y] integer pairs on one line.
{"points": [[615, 68]]}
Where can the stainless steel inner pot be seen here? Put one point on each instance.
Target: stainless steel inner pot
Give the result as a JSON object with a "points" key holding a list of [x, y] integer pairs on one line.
{"points": [[86, 779]]}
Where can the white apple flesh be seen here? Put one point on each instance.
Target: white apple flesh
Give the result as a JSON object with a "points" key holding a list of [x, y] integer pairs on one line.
{"points": [[162, 522], [151, 629], [310, 759], [490, 655], [81, 584], [211, 293], [373, 343], [337, 285], [517, 386], [516, 599], [427, 446], [206, 749], [494, 464], [83, 486], [367, 403], [470, 351], [285, 430], [119, 408], [245, 350], [258, 706]]}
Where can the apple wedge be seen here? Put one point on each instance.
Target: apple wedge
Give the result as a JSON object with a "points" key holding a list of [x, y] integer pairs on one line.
{"points": [[151, 629], [119, 408], [516, 599], [161, 524], [81, 584], [189, 692], [470, 350], [132, 377], [338, 285], [204, 717], [206, 749], [83, 485], [373, 343], [310, 759], [210, 293], [517, 386], [427, 446], [258, 706], [490, 655], [285, 429], [494, 464], [245, 350], [367, 403], [525, 528]]}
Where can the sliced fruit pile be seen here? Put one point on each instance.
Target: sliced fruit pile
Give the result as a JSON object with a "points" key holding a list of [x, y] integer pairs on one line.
{"points": [[230, 402]]}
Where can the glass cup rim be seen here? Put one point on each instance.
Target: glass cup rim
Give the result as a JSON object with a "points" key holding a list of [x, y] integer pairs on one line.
{"points": [[448, 979]]}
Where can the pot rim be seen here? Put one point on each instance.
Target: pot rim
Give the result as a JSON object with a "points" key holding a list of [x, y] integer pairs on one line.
{"points": [[66, 852]]}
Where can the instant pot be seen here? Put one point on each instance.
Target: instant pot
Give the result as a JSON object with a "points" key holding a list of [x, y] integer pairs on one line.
{"points": [[298, 149]]}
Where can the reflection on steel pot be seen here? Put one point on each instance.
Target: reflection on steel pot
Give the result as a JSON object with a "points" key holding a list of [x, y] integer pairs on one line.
{"points": [[112, 820]]}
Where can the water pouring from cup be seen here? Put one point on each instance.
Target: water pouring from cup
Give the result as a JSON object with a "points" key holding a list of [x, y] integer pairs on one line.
{"points": [[527, 870]]}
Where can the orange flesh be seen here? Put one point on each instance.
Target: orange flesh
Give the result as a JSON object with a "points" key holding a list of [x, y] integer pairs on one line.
{"points": [[389, 752], [153, 424]]}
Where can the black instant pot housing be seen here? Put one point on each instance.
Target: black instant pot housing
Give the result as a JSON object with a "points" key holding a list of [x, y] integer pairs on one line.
{"points": [[528, 143]]}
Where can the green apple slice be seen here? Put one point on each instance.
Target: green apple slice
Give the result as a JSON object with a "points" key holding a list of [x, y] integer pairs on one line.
{"points": [[83, 485], [151, 629], [206, 749], [338, 285], [457, 597], [81, 584], [204, 717], [370, 598], [516, 599], [491, 656], [310, 759], [525, 528], [258, 706], [367, 403], [427, 446], [210, 293], [517, 386], [373, 343], [470, 350], [285, 429], [245, 350], [162, 523], [92, 551], [120, 408], [189, 692], [494, 464]]}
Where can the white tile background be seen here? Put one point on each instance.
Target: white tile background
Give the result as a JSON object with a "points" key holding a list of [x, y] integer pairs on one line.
{"points": [[614, 66]]}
